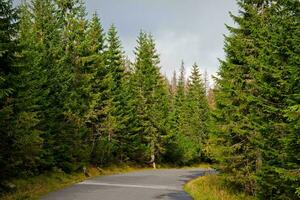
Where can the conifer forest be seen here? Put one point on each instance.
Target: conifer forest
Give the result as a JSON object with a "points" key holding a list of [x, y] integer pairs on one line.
{"points": [[70, 97]]}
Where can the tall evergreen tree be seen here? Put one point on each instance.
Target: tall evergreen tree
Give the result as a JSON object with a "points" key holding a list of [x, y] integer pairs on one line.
{"points": [[77, 93], [100, 88], [255, 97], [7, 71], [119, 92], [236, 131], [41, 52], [197, 110], [31, 102], [111, 104], [276, 79], [115, 70], [151, 96]]}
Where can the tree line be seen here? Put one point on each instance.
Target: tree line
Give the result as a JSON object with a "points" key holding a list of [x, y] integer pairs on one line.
{"points": [[69, 97]]}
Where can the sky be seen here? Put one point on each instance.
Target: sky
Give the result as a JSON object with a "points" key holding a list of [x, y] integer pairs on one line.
{"points": [[188, 30]]}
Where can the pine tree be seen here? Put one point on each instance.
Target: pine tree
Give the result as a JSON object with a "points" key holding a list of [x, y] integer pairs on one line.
{"points": [[120, 105], [8, 46], [32, 91], [236, 131], [151, 96], [276, 79], [197, 110], [206, 82], [7, 71], [111, 104], [100, 88], [41, 51], [180, 148], [7, 53], [28, 80], [211, 98], [180, 99], [174, 83], [77, 95], [115, 70], [172, 114], [255, 99]]}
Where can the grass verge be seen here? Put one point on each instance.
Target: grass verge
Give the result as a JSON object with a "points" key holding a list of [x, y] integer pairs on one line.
{"points": [[210, 187], [35, 187]]}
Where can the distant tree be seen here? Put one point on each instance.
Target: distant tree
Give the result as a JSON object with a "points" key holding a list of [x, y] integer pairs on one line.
{"points": [[206, 82], [197, 109], [173, 83], [211, 98]]}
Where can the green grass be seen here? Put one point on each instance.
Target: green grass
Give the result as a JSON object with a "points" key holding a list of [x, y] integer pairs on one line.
{"points": [[35, 187], [210, 187]]}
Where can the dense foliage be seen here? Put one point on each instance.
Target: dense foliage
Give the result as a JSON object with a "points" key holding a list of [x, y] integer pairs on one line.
{"points": [[256, 133], [70, 98]]}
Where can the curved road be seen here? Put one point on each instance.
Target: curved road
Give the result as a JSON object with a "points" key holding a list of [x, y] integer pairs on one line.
{"points": [[141, 185]]}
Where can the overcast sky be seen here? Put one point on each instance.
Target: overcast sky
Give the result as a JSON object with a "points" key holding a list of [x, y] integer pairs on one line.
{"points": [[189, 30]]}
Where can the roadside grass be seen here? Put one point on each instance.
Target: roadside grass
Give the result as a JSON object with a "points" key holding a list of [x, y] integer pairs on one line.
{"points": [[210, 187], [35, 187]]}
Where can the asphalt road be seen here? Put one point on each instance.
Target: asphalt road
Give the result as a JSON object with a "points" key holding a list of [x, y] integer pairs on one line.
{"points": [[142, 185]]}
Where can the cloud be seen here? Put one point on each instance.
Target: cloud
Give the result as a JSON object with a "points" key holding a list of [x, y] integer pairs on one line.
{"points": [[191, 30]]}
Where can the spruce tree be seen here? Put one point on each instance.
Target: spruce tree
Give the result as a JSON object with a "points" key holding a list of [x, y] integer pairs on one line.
{"points": [[197, 109], [151, 96], [236, 131], [276, 82], [7, 71], [41, 51], [100, 88], [185, 146], [31, 92], [77, 93], [180, 99], [120, 104], [115, 71], [255, 97]]}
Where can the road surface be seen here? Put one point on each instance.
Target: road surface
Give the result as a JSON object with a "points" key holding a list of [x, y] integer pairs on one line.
{"points": [[142, 185]]}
